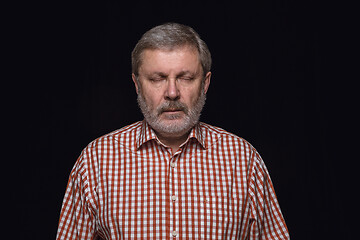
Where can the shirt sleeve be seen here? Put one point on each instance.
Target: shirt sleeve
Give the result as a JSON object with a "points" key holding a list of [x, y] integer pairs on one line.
{"points": [[77, 217], [267, 219]]}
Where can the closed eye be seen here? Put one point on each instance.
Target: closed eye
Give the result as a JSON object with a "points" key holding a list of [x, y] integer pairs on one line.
{"points": [[157, 78], [187, 78]]}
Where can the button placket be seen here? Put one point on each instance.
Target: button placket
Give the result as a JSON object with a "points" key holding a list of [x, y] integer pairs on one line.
{"points": [[174, 196]]}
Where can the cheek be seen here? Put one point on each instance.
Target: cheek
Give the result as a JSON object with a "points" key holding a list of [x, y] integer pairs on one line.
{"points": [[192, 96], [152, 98]]}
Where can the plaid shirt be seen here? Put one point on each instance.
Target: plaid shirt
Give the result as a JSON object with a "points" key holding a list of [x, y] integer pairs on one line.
{"points": [[128, 185]]}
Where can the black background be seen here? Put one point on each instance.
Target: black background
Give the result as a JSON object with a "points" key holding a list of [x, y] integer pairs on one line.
{"points": [[272, 84]]}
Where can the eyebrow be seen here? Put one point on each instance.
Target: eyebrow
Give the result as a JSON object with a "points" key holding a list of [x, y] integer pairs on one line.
{"points": [[161, 74], [183, 73]]}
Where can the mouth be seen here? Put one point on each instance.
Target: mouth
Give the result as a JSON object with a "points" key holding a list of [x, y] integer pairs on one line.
{"points": [[172, 113], [172, 110]]}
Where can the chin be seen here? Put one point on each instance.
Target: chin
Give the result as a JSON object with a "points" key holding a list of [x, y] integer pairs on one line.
{"points": [[179, 116], [173, 126]]}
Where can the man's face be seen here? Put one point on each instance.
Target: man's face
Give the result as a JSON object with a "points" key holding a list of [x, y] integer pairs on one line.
{"points": [[171, 89]]}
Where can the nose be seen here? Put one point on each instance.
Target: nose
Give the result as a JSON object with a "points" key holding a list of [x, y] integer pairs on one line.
{"points": [[172, 90]]}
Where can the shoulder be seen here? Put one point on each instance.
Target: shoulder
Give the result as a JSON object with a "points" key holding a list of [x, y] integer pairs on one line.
{"points": [[234, 145], [126, 134], [217, 137], [100, 149], [210, 131]]}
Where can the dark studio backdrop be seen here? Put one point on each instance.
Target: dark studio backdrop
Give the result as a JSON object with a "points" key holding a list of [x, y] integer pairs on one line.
{"points": [[268, 86]]}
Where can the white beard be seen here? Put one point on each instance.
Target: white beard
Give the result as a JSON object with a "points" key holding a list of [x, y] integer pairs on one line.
{"points": [[152, 116]]}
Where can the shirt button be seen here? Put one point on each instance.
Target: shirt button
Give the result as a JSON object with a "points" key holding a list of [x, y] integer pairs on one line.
{"points": [[173, 165], [173, 198], [174, 234]]}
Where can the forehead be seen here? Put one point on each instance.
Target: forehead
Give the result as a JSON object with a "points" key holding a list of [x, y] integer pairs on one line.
{"points": [[173, 60]]}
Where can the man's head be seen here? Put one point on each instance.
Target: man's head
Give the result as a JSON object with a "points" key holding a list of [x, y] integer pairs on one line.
{"points": [[171, 71], [167, 37]]}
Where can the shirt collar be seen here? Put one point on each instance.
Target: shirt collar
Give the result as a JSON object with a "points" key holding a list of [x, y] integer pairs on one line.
{"points": [[146, 134], [197, 134]]}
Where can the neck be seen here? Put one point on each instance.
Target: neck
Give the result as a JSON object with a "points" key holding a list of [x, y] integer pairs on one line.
{"points": [[172, 140]]}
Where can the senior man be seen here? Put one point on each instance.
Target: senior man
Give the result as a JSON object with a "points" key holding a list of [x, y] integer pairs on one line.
{"points": [[170, 176]]}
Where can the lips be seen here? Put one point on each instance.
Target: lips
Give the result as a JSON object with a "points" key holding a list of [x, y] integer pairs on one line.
{"points": [[172, 110], [172, 107]]}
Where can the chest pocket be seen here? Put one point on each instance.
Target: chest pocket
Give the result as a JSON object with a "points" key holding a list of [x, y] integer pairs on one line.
{"points": [[211, 217]]}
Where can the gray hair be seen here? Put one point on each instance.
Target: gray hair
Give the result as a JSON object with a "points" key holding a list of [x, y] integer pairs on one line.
{"points": [[169, 36]]}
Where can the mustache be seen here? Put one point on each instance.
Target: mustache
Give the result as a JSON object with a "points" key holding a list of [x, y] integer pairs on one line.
{"points": [[172, 106]]}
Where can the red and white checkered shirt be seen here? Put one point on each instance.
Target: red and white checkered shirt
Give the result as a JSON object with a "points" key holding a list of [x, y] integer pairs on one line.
{"points": [[128, 185]]}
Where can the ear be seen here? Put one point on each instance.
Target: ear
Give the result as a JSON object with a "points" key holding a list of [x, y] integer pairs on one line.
{"points": [[207, 82], [135, 82]]}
